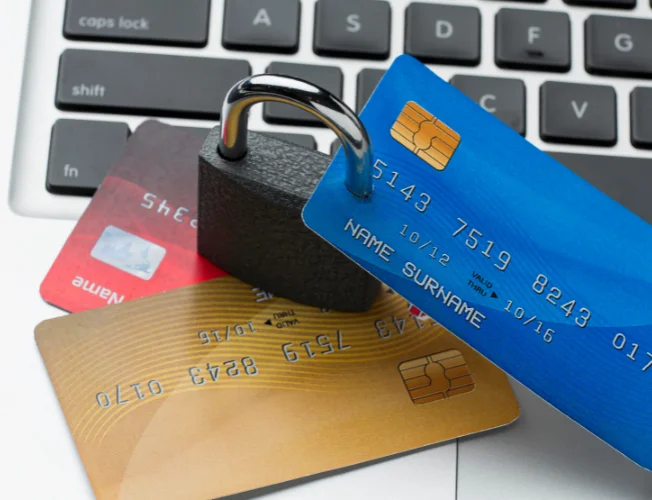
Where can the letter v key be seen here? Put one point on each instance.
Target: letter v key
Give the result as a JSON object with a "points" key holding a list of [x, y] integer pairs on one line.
{"points": [[580, 110]]}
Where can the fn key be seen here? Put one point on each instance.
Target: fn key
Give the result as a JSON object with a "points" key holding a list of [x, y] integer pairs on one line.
{"points": [[81, 154]]}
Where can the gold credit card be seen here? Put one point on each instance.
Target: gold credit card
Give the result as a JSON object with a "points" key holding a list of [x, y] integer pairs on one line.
{"points": [[219, 388], [427, 137]]}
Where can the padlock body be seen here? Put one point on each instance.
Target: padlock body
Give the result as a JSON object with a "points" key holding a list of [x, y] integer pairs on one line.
{"points": [[250, 225]]}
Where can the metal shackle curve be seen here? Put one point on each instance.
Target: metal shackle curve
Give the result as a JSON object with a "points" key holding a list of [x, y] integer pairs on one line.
{"points": [[311, 98]]}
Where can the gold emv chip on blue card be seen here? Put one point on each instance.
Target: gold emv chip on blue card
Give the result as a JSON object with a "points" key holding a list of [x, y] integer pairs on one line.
{"points": [[427, 137], [436, 377]]}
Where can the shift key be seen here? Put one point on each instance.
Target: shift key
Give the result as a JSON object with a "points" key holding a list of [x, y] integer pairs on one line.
{"points": [[165, 22], [149, 84]]}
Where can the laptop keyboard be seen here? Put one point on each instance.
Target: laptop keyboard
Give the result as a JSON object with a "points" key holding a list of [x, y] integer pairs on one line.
{"points": [[534, 39]]}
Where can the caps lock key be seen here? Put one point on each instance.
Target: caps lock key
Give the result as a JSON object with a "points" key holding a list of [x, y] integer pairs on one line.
{"points": [[161, 22]]}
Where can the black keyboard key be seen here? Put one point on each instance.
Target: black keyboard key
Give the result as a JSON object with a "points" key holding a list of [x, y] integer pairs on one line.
{"points": [[152, 84], [641, 112], [625, 180], [327, 77], [81, 154], [444, 34], [531, 39], [502, 97], [618, 46], [578, 114], [617, 4], [262, 25], [164, 22], [352, 28], [368, 79]]}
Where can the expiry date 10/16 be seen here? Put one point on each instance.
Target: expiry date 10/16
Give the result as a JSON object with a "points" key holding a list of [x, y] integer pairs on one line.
{"points": [[224, 335], [538, 327]]}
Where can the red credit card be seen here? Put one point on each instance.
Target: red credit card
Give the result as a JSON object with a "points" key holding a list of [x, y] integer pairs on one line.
{"points": [[138, 236]]}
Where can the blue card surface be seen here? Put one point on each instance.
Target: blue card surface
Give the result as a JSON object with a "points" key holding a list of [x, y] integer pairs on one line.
{"points": [[519, 257]]}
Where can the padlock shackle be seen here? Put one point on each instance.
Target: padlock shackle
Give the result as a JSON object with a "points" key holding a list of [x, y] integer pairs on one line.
{"points": [[311, 98]]}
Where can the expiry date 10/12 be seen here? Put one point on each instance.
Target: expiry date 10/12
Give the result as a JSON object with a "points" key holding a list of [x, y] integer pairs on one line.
{"points": [[427, 246]]}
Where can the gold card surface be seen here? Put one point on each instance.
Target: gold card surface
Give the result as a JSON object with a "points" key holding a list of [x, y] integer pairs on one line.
{"points": [[216, 389], [427, 137]]}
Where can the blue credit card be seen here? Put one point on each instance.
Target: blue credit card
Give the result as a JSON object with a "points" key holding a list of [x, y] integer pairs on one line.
{"points": [[522, 259]]}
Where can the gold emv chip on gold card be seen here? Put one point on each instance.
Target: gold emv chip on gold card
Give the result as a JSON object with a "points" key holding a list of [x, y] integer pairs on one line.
{"points": [[427, 137], [437, 376]]}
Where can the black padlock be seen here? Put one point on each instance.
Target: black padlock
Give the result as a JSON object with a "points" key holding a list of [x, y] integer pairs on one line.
{"points": [[252, 189]]}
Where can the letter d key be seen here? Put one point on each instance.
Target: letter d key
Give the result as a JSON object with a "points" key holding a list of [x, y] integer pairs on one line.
{"points": [[252, 189]]}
